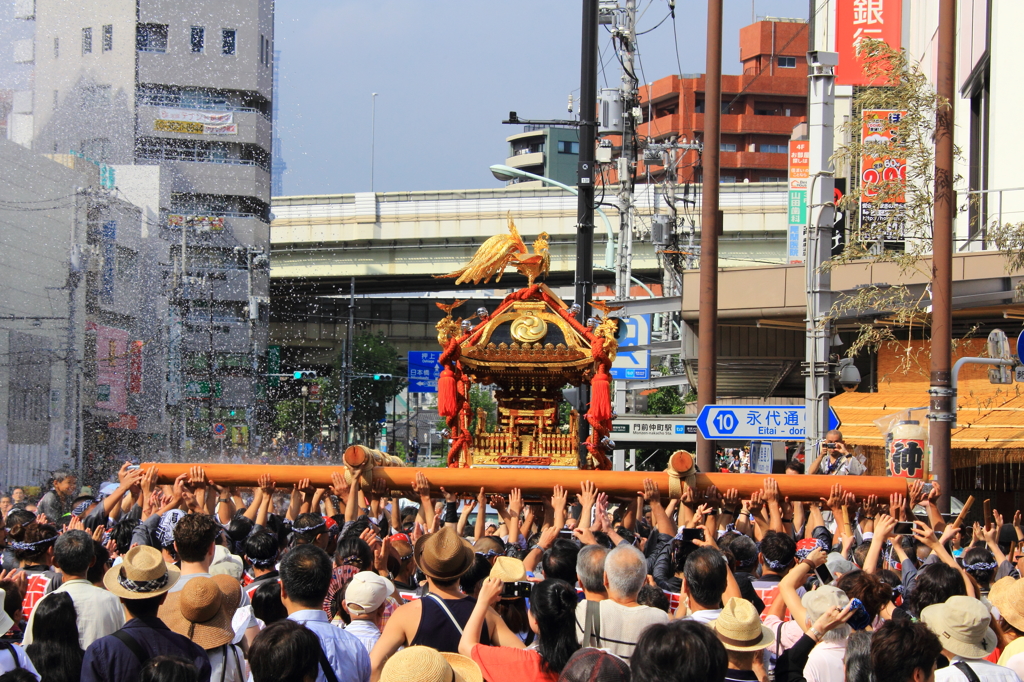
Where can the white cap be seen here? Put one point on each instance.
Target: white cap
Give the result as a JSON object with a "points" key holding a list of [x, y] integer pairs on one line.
{"points": [[366, 592]]}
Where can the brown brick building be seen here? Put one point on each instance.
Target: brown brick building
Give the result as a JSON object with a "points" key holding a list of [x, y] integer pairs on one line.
{"points": [[759, 108]]}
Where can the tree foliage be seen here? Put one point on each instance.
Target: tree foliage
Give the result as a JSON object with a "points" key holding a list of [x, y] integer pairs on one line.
{"points": [[288, 412], [666, 400], [904, 307], [374, 354]]}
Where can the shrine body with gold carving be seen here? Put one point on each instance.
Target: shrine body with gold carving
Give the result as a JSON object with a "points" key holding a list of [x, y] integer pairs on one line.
{"points": [[530, 348]]}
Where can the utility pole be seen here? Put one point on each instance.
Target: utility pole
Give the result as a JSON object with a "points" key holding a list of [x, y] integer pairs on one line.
{"points": [[584, 284], [626, 34], [71, 355], [373, 134], [821, 124], [710, 224], [346, 407], [942, 409]]}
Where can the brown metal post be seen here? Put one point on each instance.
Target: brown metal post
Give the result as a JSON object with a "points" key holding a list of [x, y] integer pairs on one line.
{"points": [[707, 349], [942, 402]]}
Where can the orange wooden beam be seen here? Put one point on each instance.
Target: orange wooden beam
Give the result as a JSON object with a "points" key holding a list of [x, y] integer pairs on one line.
{"points": [[536, 482]]}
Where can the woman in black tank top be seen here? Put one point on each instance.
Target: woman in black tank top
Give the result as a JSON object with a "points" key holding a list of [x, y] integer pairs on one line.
{"points": [[436, 628]]}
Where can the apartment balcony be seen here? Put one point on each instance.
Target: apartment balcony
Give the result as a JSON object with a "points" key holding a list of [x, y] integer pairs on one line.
{"points": [[228, 176], [226, 337], [253, 127], [206, 70], [751, 124], [760, 160], [660, 89], [526, 160]]}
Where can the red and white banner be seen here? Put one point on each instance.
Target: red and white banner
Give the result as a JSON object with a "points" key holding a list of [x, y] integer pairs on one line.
{"points": [[858, 20]]}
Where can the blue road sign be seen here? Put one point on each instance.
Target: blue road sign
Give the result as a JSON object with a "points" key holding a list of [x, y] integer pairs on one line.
{"points": [[634, 365], [1020, 347], [424, 371], [757, 422]]}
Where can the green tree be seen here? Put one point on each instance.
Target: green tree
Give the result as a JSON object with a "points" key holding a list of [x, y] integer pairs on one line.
{"points": [[666, 400], [910, 92], [479, 398], [371, 398], [319, 409]]}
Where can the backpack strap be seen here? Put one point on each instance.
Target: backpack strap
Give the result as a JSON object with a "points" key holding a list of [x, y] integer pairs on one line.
{"points": [[133, 646], [967, 671], [592, 624], [444, 607], [325, 665], [14, 654]]}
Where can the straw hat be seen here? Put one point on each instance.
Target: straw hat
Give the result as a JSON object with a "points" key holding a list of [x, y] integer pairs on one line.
{"points": [[231, 590], [141, 574], [423, 664], [198, 612], [508, 569], [961, 624], [739, 627], [443, 555], [1007, 595]]}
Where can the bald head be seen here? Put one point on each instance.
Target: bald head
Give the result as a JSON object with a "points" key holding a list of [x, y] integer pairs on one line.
{"points": [[625, 571]]}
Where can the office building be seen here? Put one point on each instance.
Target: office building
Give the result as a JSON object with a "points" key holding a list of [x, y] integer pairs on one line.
{"points": [[548, 151], [187, 87]]}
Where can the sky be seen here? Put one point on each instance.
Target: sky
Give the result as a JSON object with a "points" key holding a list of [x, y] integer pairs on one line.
{"points": [[447, 74]]}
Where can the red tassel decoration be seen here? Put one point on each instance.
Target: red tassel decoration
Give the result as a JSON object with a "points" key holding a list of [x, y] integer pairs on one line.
{"points": [[447, 405], [600, 396]]}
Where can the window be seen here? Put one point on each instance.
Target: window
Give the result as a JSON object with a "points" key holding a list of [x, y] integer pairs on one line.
{"points": [[56, 98], [771, 178], [108, 37], [198, 39], [567, 147], [94, 95], [787, 62], [726, 107], [151, 38], [772, 149], [56, 48], [727, 179], [263, 47], [227, 41], [127, 264], [728, 146], [86, 40]]}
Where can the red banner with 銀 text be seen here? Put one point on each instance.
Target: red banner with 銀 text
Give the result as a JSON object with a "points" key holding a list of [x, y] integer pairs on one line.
{"points": [[859, 20]]}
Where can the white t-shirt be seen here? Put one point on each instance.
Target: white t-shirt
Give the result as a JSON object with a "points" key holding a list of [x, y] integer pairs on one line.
{"points": [[986, 672], [826, 662], [621, 626]]}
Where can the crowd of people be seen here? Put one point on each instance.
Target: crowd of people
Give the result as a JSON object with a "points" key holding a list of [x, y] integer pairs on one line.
{"points": [[194, 581]]}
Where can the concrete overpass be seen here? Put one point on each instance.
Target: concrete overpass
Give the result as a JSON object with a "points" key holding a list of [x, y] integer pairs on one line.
{"points": [[397, 241]]}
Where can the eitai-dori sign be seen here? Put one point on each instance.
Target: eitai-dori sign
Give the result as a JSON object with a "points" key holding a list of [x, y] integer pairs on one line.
{"points": [[757, 422]]}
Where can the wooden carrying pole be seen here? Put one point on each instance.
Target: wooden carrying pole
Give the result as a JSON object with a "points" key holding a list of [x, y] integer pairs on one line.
{"points": [[535, 482]]}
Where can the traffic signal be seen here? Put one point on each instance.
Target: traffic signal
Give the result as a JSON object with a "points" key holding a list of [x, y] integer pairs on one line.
{"points": [[303, 374], [381, 377]]}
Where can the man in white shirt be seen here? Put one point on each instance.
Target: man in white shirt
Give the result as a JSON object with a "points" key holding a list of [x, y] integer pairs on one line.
{"points": [[962, 626], [705, 579], [826, 662], [99, 612], [305, 577], [366, 600], [620, 619]]}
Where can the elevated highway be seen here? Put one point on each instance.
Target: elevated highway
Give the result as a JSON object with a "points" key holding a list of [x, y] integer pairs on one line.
{"points": [[396, 242]]}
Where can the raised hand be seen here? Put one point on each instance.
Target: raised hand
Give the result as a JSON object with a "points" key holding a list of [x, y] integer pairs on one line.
{"points": [[380, 556], [650, 493], [449, 498], [515, 502], [915, 492], [731, 499], [196, 477], [421, 486], [265, 484], [884, 526], [559, 498], [588, 494], [756, 502], [770, 490]]}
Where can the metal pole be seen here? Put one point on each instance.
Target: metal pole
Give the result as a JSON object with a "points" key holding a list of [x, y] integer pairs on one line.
{"points": [[585, 184], [942, 407], [821, 118], [71, 353], [627, 159], [302, 438], [707, 350], [348, 359], [373, 134]]}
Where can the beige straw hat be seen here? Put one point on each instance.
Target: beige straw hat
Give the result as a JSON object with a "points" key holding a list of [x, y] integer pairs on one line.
{"points": [[1007, 595], [508, 569], [739, 627], [962, 625], [198, 612], [443, 555], [423, 664], [141, 574]]}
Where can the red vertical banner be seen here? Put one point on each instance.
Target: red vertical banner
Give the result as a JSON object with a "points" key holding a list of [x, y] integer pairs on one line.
{"points": [[859, 20], [135, 368]]}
